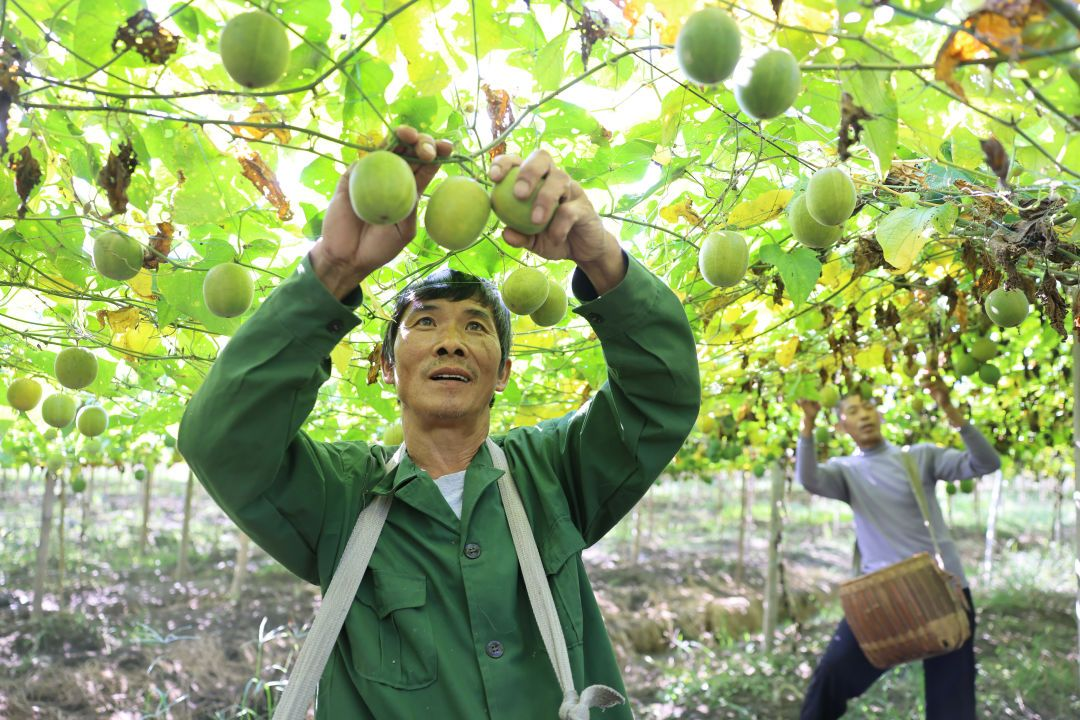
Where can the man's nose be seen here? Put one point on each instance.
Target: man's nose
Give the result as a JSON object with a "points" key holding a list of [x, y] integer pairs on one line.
{"points": [[450, 343]]}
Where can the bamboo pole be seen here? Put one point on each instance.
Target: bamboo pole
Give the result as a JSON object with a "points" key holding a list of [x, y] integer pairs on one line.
{"points": [[1076, 471], [772, 581], [144, 533], [43, 543], [991, 527], [185, 532], [240, 570]]}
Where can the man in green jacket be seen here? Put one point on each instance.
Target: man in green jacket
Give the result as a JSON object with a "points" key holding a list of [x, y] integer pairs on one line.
{"points": [[442, 626]]}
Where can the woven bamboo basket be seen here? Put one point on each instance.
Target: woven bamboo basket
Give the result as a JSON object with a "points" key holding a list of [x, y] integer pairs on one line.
{"points": [[911, 610]]}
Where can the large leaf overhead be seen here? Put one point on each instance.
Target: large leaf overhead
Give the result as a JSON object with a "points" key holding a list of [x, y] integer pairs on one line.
{"points": [[959, 128]]}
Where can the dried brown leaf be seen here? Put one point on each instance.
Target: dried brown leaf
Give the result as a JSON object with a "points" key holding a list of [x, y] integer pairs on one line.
{"points": [[160, 245], [374, 360], [1054, 306], [10, 60], [500, 113], [143, 33], [593, 27], [115, 177], [996, 158], [262, 115], [868, 255], [995, 28], [263, 178], [27, 175], [850, 127]]}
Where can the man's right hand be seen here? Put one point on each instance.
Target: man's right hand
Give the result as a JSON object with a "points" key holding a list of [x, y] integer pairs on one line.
{"points": [[351, 249], [810, 409]]}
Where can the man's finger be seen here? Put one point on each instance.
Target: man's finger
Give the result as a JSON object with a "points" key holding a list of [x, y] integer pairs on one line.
{"points": [[519, 240], [406, 134], [535, 167], [501, 165]]}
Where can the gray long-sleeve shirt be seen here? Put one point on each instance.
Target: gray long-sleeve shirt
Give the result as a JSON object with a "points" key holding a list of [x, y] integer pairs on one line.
{"points": [[888, 524]]}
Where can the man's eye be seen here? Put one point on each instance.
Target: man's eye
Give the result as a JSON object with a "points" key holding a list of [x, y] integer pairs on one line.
{"points": [[426, 321], [474, 325]]}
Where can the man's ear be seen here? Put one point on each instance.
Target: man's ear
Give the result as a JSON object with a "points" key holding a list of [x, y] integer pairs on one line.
{"points": [[387, 371], [504, 377]]}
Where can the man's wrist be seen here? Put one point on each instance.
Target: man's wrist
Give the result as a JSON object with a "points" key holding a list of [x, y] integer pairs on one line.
{"points": [[608, 270], [339, 279]]}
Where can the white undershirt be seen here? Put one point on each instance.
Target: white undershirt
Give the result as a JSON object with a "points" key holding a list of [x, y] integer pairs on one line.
{"points": [[452, 486]]}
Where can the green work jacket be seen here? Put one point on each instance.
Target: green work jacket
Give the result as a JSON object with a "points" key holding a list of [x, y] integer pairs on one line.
{"points": [[441, 627]]}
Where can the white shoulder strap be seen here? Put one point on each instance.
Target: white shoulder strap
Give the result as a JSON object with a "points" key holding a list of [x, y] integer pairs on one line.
{"points": [[304, 678], [543, 605]]}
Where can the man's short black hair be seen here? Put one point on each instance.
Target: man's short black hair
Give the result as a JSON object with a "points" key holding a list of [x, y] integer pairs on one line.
{"points": [[453, 285]]}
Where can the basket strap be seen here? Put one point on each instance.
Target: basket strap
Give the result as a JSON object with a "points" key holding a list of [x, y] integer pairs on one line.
{"points": [[924, 506]]}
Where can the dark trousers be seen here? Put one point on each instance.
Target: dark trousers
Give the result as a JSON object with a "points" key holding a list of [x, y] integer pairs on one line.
{"points": [[845, 673]]}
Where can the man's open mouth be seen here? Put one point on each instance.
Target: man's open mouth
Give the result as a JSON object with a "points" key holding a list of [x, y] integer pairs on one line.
{"points": [[450, 376]]}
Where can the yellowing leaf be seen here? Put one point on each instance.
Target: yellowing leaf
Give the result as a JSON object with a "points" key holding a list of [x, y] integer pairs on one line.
{"points": [[143, 284], [141, 339], [762, 209], [684, 209], [340, 357], [870, 358], [832, 274], [119, 321], [785, 354]]}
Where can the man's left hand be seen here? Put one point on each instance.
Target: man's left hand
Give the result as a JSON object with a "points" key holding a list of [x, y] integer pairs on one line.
{"points": [[575, 231]]}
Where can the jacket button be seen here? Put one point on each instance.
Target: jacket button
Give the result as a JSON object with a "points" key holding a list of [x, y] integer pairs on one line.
{"points": [[334, 325], [472, 551], [494, 649]]}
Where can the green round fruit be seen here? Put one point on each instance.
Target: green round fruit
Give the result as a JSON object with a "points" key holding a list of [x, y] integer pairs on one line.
{"points": [[139, 474], [809, 231], [723, 258], [517, 214], [917, 405], [92, 420], [950, 488], [525, 290], [759, 470], [830, 396], [967, 485], [822, 435], [964, 364], [228, 290], [830, 196], [75, 368], [554, 307], [78, 484], [58, 410], [707, 46], [49, 434], [984, 349], [990, 374], [457, 213], [54, 462], [394, 435], [1007, 308], [382, 188], [91, 448], [117, 256], [766, 85], [23, 394], [254, 49]]}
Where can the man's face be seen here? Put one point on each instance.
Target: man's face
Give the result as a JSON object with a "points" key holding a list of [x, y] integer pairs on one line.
{"points": [[447, 361], [861, 420]]}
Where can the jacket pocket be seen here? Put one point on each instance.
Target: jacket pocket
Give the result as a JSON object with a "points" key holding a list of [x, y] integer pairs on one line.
{"points": [[390, 634], [559, 551]]}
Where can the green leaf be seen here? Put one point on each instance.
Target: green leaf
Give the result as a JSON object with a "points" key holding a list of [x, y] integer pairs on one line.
{"points": [[799, 269], [873, 91], [551, 63], [902, 234]]}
